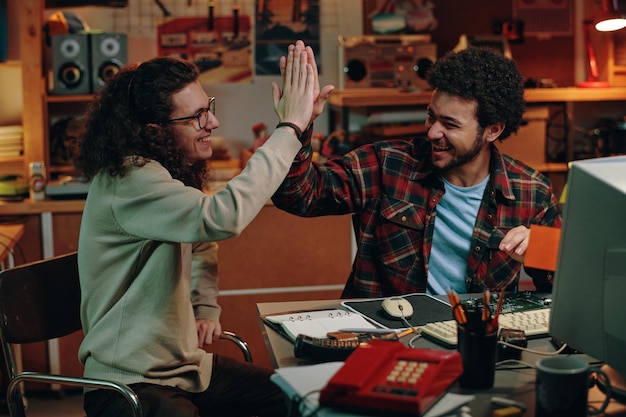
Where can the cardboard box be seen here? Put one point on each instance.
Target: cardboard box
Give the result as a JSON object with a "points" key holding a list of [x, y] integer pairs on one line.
{"points": [[529, 143]]}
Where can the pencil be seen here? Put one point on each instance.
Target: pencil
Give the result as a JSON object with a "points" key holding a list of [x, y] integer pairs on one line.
{"points": [[406, 332], [486, 313], [494, 320], [457, 308]]}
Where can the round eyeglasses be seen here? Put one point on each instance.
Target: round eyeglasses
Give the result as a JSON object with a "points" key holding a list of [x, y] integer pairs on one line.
{"points": [[202, 116]]}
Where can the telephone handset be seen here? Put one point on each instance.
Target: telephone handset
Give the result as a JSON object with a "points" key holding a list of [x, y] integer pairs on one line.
{"points": [[336, 347], [325, 349], [388, 376]]}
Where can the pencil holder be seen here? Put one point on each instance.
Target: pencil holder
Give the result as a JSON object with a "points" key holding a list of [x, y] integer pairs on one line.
{"points": [[478, 353]]}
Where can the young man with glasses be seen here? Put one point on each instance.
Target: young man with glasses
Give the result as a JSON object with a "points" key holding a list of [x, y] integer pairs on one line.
{"points": [[147, 253]]}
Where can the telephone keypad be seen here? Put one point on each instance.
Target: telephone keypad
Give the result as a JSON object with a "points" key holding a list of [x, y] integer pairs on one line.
{"points": [[406, 372]]}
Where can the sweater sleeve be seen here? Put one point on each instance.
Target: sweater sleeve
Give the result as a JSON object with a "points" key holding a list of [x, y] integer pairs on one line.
{"points": [[148, 203], [204, 281]]}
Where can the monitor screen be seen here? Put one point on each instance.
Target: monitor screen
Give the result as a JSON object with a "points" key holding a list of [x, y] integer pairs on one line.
{"points": [[588, 311]]}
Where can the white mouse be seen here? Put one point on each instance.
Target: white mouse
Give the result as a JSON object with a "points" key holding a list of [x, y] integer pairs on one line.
{"points": [[397, 307]]}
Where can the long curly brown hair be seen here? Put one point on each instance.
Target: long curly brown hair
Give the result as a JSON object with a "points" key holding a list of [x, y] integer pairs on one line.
{"points": [[128, 121]]}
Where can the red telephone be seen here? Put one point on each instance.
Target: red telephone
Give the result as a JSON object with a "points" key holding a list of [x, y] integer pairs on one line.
{"points": [[388, 376]]}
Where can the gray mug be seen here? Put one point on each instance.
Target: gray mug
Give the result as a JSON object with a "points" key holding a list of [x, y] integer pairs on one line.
{"points": [[562, 386]]}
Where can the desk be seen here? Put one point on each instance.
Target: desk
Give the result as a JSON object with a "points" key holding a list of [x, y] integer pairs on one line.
{"points": [[517, 384]]}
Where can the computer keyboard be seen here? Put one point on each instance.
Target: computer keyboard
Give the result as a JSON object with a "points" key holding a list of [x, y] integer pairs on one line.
{"points": [[535, 323]]}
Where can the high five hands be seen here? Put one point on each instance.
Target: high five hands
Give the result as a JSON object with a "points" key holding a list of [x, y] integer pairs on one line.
{"points": [[320, 94]]}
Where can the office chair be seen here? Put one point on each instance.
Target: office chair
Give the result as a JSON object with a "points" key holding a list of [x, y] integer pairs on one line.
{"points": [[40, 301]]}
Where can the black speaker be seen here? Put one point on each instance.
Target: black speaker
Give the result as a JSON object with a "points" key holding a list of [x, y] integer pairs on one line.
{"points": [[70, 64], [109, 52]]}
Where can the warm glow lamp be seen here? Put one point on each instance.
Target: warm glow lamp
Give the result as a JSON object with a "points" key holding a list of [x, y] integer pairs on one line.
{"points": [[606, 20], [609, 19]]}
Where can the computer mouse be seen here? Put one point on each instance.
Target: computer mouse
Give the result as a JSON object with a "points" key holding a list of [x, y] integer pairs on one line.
{"points": [[397, 307]]}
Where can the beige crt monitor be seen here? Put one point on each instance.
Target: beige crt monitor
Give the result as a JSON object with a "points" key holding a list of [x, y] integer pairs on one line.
{"points": [[589, 309]]}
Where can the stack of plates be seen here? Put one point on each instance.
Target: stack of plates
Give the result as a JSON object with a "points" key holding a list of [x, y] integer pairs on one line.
{"points": [[11, 141]]}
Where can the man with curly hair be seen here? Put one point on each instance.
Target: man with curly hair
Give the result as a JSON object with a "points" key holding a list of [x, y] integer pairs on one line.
{"points": [[444, 211]]}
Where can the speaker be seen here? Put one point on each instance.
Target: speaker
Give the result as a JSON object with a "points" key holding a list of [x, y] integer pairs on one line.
{"points": [[70, 64], [385, 61], [108, 52]]}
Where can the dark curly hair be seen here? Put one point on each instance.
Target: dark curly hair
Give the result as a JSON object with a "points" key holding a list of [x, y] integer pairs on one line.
{"points": [[481, 74], [128, 121]]}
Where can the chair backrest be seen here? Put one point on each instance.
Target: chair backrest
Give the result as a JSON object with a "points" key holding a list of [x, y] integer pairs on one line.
{"points": [[38, 301]]}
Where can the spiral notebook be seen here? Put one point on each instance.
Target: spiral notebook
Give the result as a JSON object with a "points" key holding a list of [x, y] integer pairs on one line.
{"points": [[315, 323]]}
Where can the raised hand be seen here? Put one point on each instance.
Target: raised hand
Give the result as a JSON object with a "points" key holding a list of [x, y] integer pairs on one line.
{"points": [[295, 102], [320, 94]]}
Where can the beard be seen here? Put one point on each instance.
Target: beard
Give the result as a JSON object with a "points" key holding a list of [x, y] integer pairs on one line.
{"points": [[464, 158]]}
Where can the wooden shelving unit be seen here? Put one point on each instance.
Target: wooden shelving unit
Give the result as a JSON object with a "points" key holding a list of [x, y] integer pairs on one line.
{"points": [[345, 101], [380, 97]]}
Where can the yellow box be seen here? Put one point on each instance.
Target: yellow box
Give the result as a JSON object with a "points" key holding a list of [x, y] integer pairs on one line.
{"points": [[529, 143]]}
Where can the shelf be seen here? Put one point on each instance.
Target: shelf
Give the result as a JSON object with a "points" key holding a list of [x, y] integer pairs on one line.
{"points": [[11, 159], [550, 167], [367, 97], [70, 98]]}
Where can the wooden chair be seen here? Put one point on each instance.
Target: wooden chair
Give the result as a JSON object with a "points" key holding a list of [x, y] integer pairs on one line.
{"points": [[40, 301]]}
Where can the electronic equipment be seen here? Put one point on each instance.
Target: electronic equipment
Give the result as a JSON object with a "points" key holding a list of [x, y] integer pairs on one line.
{"points": [[397, 307], [326, 349], [68, 187], [535, 323], [83, 62], [70, 64], [588, 306], [426, 309], [387, 376], [498, 43], [108, 53], [385, 61], [336, 347]]}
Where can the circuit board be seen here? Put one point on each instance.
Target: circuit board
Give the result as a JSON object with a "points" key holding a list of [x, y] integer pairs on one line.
{"points": [[512, 303]]}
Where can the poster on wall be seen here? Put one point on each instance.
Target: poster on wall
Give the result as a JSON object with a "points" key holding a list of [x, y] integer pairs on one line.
{"points": [[391, 17], [280, 23], [221, 45]]}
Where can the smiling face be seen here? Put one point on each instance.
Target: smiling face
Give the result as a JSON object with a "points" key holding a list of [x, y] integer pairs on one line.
{"points": [[460, 147], [194, 142]]}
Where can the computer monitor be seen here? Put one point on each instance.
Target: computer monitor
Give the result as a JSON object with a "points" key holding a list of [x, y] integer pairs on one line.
{"points": [[589, 309]]}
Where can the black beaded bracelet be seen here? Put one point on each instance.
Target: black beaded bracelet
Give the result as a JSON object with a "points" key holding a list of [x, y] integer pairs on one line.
{"points": [[291, 125]]}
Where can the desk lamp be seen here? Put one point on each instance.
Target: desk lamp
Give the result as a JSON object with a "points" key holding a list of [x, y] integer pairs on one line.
{"points": [[609, 19], [606, 20]]}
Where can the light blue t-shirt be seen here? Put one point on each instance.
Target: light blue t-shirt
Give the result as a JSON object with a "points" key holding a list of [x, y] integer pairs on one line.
{"points": [[456, 215]]}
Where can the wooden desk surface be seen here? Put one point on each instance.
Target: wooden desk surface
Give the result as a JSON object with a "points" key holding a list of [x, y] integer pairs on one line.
{"points": [[10, 234], [517, 384]]}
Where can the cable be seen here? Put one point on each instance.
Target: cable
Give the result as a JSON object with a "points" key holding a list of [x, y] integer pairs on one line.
{"points": [[297, 402], [536, 352], [416, 330]]}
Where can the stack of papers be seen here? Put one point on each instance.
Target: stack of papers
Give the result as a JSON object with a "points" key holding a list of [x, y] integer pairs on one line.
{"points": [[11, 141]]}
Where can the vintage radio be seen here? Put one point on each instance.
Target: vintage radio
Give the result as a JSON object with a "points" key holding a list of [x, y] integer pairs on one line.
{"points": [[400, 61]]}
